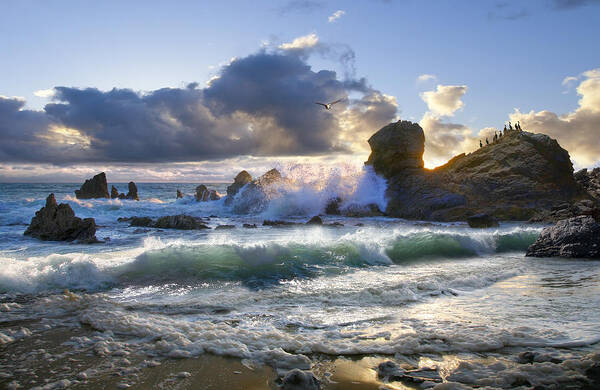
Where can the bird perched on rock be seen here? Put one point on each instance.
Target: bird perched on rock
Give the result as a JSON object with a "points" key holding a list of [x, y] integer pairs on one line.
{"points": [[328, 105]]}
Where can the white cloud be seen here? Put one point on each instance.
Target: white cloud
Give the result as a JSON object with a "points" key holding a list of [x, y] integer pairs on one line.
{"points": [[445, 100], [568, 80], [336, 15], [44, 93], [303, 42], [577, 131], [426, 77]]}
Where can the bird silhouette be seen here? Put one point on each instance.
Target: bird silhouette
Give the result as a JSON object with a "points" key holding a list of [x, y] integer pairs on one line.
{"points": [[328, 105]]}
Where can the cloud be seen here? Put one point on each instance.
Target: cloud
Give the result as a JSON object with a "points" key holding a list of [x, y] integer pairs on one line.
{"points": [[44, 93], [569, 80], [577, 131], [426, 77], [445, 100], [258, 105], [301, 43], [336, 15]]}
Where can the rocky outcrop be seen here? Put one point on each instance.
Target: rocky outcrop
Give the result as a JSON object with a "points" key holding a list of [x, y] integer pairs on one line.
{"points": [[299, 380], [482, 221], [316, 220], [256, 194], [574, 237], [590, 181], [568, 210], [240, 180], [114, 193], [181, 222], [96, 187], [132, 192], [203, 194], [57, 222], [511, 179]]}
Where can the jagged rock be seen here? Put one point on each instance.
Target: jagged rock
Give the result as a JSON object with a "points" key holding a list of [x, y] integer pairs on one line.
{"points": [[58, 223], [114, 193], [96, 187], [225, 227], [179, 194], [240, 180], [568, 210], [132, 192], [203, 194], [316, 220], [590, 181], [482, 221], [300, 380], [333, 206], [256, 195], [574, 237], [513, 178], [182, 222], [267, 222]]}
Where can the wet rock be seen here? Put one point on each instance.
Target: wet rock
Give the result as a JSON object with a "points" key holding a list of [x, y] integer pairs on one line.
{"points": [[300, 380], [336, 224], [55, 222], [389, 371], [182, 222], [132, 192], [256, 195], [482, 221], [278, 223], [141, 221], [179, 195], [114, 193], [333, 206], [250, 225], [577, 237], [203, 194], [225, 227], [96, 187], [316, 220], [240, 180], [357, 211]]}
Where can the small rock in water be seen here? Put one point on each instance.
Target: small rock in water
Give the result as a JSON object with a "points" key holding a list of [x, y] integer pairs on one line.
{"points": [[482, 221], [249, 225], [267, 222], [179, 194], [577, 237], [300, 380], [390, 371], [225, 227], [96, 187], [316, 220]]}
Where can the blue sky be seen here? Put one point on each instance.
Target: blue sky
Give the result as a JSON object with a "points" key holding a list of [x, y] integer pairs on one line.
{"points": [[509, 54]]}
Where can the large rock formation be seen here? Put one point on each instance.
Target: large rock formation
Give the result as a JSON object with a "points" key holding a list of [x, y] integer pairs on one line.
{"points": [[256, 194], [240, 180], [55, 222], [96, 187], [203, 194], [573, 237], [511, 179], [132, 191]]}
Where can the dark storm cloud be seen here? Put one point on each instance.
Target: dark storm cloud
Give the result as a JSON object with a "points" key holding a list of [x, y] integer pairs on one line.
{"points": [[261, 105]]}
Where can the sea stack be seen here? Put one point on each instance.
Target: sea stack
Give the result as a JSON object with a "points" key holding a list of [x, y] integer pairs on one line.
{"points": [[132, 192], [240, 180], [55, 222], [96, 187], [203, 194]]}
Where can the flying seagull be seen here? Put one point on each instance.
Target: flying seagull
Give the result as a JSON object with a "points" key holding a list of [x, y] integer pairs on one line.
{"points": [[328, 105]]}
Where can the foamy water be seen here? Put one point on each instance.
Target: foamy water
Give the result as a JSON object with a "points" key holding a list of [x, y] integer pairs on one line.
{"points": [[281, 296]]}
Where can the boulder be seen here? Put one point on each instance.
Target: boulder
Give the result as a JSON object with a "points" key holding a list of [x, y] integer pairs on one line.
{"points": [[182, 222], [256, 195], [482, 221], [96, 187], [316, 220], [239, 181], [179, 194], [333, 206], [297, 379], [512, 179], [138, 221], [55, 222], [225, 227], [114, 193], [577, 237], [132, 192], [203, 194]]}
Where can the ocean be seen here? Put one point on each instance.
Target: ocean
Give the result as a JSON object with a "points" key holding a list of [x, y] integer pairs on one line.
{"points": [[463, 302]]}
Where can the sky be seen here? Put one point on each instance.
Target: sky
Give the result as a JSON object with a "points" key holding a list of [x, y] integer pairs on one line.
{"points": [[196, 91]]}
